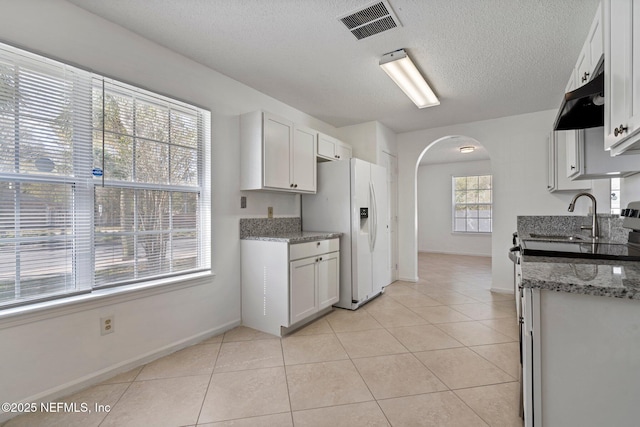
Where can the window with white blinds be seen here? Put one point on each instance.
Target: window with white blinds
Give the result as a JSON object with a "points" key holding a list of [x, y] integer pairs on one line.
{"points": [[101, 183]]}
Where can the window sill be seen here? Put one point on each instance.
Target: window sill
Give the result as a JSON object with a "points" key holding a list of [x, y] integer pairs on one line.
{"points": [[16, 316], [471, 233]]}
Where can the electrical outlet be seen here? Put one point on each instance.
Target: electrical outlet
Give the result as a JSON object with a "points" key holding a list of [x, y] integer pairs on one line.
{"points": [[270, 212], [106, 325]]}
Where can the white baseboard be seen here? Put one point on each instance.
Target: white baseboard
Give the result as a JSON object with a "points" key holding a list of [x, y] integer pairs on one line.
{"points": [[409, 279], [71, 387]]}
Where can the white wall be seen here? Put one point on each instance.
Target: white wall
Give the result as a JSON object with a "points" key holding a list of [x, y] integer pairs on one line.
{"points": [[49, 354], [369, 140], [517, 147], [435, 210], [630, 190], [362, 138]]}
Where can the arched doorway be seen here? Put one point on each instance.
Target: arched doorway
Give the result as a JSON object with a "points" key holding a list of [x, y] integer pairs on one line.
{"points": [[453, 198]]}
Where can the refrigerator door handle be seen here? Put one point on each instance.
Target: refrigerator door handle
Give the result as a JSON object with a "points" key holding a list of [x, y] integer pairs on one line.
{"points": [[374, 209], [370, 237]]}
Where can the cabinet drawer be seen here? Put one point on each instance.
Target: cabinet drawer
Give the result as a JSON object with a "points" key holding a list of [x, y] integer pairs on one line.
{"points": [[307, 249]]}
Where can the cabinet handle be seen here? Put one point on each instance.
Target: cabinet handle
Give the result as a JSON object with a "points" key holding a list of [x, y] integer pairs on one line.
{"points": [[585, 77], [572, 167], [338, 156], [318, 244], [320, 258], [291, 185], [316, 259], [295, 185], [620, 130]]}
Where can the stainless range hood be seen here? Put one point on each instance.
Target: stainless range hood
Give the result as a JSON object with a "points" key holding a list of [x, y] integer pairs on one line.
{"points": [[584, 107]]}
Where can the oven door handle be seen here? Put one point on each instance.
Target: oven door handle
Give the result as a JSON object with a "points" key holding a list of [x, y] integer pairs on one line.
{"points": [[516, 248]]}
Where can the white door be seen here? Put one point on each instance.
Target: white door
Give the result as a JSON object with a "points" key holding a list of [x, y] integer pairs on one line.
{"points": [[391, 163], [303, 289], [361, 243], [380, 228]]}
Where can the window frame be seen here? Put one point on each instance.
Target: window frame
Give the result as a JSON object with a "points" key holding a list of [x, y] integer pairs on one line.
{"points": [[82, 183], [454, 204]]}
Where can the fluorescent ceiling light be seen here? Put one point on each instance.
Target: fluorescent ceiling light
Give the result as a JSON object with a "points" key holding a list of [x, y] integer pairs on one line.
{"points": [[399, 67], [467, 149]]}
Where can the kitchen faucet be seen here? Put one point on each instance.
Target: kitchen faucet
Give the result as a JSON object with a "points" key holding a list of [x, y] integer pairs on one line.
{"points": [[594, 220]]}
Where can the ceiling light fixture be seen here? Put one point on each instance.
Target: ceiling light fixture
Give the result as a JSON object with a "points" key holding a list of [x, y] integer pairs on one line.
{"points": [[467, 149], [404, 73]]}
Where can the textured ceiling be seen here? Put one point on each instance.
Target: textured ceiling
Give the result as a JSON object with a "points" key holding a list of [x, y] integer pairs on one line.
{"points": [[483, 58]]}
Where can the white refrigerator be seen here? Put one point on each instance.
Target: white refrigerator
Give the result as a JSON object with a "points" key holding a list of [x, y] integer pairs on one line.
{"points": [[352, 199]]}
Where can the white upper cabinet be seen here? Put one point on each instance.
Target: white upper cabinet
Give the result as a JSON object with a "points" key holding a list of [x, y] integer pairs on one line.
{"points": [[568, 138], [557, 179], [276, 155], [332, 149], [622, 75], [276, 145], [592, 51], [303, 159]]}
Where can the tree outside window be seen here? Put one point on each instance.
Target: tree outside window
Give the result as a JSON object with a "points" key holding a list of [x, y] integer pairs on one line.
{"points": [[101, 183], [472, 204]]}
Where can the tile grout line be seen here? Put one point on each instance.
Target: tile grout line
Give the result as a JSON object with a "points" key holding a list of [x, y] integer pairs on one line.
{"points": [[206, 391]]}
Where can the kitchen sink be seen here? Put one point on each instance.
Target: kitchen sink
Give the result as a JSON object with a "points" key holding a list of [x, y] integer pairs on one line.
{"points": [[558, 237]]}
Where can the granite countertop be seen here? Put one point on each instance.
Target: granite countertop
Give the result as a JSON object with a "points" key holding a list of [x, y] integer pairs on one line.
{"points": [[617, 279], [609, 278], [295, 236], [286, 229]]}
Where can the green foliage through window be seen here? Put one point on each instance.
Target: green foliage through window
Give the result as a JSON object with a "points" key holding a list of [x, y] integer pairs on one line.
{"points": [[101, 183], [472, 204]]}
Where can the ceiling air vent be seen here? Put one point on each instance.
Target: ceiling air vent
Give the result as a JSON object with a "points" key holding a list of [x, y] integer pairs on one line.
{"points": [[371, 20]]}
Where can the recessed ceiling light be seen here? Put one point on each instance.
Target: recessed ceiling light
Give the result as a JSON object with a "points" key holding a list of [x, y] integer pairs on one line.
{"points": [[467, 149]]}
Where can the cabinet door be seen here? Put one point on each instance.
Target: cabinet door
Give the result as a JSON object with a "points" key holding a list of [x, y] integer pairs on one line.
{"points": [[595, 40], [558, 144], [551, 162], [326, 147], [343, 152], [572, 152], [328, 280], [571, 140], [591, 51], [303, 289], [583, 67], [526, 343], [622, 73], [303, 160], [277, 145]]}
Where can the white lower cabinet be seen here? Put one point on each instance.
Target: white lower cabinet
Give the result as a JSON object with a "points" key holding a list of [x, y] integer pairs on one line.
{"points": [[284, 285], [581, 358], [314, 285]]}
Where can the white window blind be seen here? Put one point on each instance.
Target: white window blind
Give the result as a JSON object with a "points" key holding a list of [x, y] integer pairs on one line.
{"points": [[64, 229], [149, 202]]}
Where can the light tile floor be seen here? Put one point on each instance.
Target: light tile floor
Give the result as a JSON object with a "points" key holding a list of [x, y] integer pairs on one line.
{"points": [[440, 352]]}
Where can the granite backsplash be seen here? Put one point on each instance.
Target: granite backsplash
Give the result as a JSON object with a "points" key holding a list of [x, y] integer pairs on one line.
{"points": [[610, 226], [269, 226]]}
